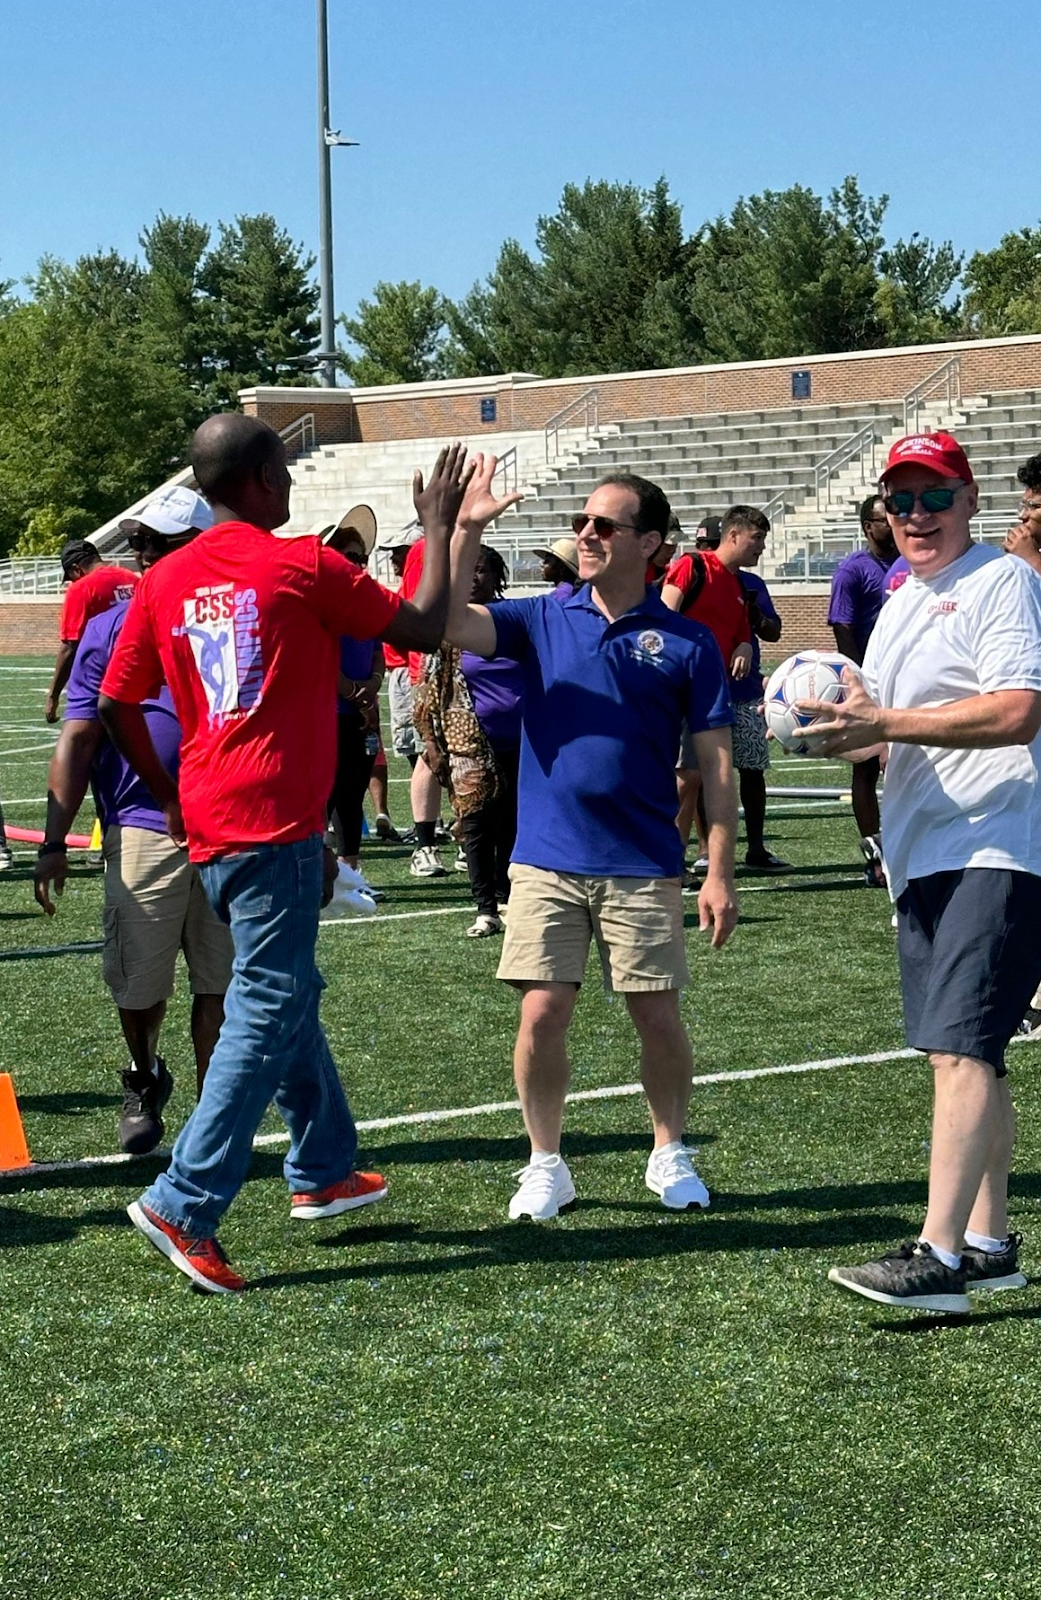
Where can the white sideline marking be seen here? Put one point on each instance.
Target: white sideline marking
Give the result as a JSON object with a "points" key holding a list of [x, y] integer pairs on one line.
{"points": [[497, 1107], [29, 749], [394, 916]]}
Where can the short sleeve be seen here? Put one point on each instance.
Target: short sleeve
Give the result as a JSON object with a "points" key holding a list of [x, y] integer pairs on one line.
{"points": [[708, 702], [349, 601], [842, 611], [1004, 628], [135, 672], [73, 613], [513, 626], [761, 596], [679, 574], [88, 669]]}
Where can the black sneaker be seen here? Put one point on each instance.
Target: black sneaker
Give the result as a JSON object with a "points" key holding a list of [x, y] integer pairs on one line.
{"points": [[690, 882], [141, 1121], [911, 1276], [766, 862], [995, 1269], [1030, 1027]]}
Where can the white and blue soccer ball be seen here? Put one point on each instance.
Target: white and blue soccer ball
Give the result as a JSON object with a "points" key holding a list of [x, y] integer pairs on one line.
{"points": [[807, 675]]}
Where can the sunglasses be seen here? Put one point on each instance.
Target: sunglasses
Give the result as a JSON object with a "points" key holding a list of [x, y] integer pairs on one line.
{"points": [[903, 502], [159, 542], [603, 527]]}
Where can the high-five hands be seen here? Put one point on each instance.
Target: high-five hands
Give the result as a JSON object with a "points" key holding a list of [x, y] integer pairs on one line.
{"points": [[438, 502], [480, 504]]}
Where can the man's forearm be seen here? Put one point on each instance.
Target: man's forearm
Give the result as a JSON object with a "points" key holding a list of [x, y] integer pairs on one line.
{"points": [[419, 623], [720, 799], [128, 730], [981, 722], [62, 667]]}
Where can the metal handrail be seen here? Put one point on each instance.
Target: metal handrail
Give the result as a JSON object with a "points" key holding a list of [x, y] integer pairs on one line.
{"points": [[775, 510], [588, 403], [828, 465], [302, 426], [507, 465], [949, 374]]}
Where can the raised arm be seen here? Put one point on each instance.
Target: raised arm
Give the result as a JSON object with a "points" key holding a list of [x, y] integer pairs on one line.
{"points": [[419, 623], [473, 627]]}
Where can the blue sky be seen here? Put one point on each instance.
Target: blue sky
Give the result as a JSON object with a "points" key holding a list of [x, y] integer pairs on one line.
{"points": [[472, 117]]}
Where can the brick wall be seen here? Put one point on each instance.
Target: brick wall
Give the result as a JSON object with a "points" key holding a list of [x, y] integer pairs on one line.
{"points": [[411, 411], [803, 623], [29, 627]]}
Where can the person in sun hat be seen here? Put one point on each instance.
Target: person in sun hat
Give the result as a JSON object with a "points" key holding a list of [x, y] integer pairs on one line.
{"points": [[608, 676], [154, 901], [560, 567], [952, 685]]}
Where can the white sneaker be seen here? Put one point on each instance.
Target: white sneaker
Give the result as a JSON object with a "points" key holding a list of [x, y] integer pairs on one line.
{"points": [[545, 1186], [6, 858], [426, 863], [701, 864], [460, 860], [670, 1174], [484, 927]]}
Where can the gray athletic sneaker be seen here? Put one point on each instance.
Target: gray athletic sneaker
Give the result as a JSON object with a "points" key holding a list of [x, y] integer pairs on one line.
{"points": [[911, 1276], [995, 1269]]}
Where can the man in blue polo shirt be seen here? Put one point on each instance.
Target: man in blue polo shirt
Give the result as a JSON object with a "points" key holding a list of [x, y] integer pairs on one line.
{"points": [[858, 592], [609, 676]]}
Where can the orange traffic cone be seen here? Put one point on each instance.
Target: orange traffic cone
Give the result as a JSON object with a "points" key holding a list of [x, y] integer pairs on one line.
{"points": [[14, 1152]]}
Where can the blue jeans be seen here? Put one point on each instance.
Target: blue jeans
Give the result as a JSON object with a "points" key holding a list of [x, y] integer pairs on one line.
{"points": [[270, 1047]]}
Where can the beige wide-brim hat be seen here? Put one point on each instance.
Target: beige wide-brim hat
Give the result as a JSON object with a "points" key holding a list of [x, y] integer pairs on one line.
{"points": [[362, 521], [565, 550]]}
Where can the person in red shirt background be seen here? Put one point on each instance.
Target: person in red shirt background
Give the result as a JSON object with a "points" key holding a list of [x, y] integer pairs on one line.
{"points": [[424, 789], [93, 587], [245, 628]]}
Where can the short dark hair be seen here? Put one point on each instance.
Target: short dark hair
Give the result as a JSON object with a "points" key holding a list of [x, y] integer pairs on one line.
{"points": [[229, 448], [1029, 473], [867, 506], [745, 517], [495, 563], [653, 510]]}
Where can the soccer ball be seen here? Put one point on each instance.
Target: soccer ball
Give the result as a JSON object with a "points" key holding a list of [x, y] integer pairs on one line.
{"points": [[808, 675]]}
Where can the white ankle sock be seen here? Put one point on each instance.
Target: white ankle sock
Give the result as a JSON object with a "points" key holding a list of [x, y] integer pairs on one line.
{"points": [[544, 1158], [946, 1256], [980, 1241]]}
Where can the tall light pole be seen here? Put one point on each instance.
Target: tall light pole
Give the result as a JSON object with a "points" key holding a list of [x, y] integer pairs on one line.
{"points": [[327, 137]]}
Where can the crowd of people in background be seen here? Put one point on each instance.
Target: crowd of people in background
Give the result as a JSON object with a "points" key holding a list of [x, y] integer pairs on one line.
{"points": [[229, 703]]}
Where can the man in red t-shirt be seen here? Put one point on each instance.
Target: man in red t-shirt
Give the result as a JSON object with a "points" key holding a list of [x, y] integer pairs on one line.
{"points": [[245, 629], [93, 587]]}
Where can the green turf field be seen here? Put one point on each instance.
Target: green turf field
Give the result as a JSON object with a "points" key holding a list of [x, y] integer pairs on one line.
{"points": [[425, 1400]]}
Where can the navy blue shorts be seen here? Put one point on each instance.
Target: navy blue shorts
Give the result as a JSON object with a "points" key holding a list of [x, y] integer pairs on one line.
{"points": [[970, 959]]}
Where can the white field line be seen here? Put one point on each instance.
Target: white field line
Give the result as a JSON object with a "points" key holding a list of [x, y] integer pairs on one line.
{"points": [[28, 750], [498, 1108], [34, 800]]}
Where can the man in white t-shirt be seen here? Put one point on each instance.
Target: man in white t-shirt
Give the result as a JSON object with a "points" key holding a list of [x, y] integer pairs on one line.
{"points": [[952, 684]]}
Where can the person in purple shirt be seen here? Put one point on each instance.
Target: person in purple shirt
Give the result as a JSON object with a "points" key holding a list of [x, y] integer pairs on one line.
{"points": [[560, 567], [154, 901], [859, 588], [496, 685]]}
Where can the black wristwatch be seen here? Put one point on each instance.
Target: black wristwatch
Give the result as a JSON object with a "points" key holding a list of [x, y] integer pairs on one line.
{"points": [[52, 847]]}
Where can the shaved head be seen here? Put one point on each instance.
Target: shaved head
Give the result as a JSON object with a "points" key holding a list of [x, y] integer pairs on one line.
{"points": [[227, 449]]}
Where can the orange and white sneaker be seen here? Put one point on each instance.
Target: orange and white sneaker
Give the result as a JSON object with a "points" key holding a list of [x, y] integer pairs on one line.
{"points": [[202, 1260], [360, 1189]]}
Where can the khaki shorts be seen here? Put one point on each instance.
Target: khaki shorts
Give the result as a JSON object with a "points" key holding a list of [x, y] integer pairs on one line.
{"points": [[405, 741], [155, 906], [637, 924]]}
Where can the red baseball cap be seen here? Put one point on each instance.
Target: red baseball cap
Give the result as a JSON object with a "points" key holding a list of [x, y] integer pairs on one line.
{"points": [[940, 451]]}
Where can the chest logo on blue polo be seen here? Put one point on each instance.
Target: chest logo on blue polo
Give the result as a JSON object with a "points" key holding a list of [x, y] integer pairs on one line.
{"points": [[648, 647]]}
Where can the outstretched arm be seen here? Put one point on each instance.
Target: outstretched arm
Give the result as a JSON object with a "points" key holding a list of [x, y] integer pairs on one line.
{"points": [[419, 623], [473, 627]]}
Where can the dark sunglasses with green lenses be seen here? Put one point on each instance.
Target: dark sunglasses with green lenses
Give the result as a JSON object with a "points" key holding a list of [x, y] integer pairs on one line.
{"points": [[902, 502]]}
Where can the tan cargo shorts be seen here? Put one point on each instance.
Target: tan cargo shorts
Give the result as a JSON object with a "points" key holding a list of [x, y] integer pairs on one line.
{"points": [[154, 906], [554, 916]]}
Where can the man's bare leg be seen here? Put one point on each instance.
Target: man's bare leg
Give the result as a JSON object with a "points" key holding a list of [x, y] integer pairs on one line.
{"points": [[540, 1064], [973, 1130], [141, 1032], [666, 1061], [424, 794]]}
